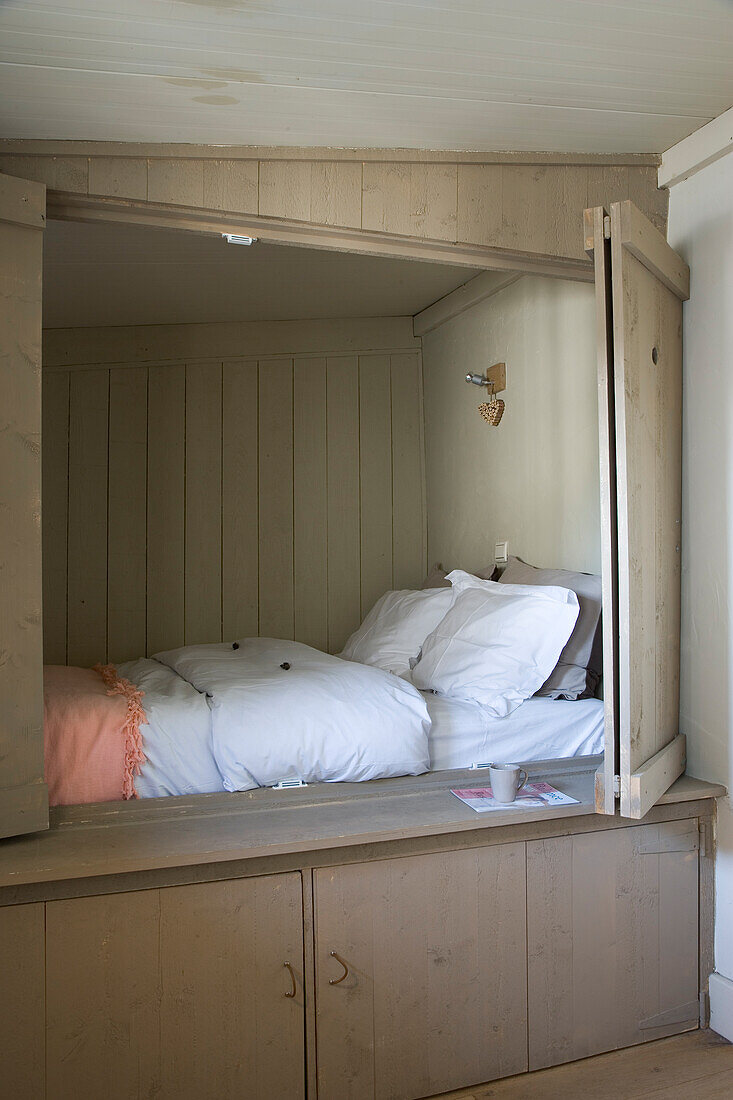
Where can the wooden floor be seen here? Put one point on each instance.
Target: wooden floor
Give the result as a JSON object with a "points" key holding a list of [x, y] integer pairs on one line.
{"points": [[696, 1066]]}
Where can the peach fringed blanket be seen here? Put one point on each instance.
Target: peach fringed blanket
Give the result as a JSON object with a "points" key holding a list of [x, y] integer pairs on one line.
{"points": [[93, 744]]}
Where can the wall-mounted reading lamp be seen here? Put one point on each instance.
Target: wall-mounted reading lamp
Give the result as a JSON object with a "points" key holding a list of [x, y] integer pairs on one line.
{"points": [[495, 378]]}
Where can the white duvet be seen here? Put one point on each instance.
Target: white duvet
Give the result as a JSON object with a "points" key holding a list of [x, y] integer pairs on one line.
{"points": [[268, 711]]}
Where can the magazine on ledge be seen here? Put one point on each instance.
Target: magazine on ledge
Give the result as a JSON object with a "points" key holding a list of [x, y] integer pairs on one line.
{"points": [[532, 797]]}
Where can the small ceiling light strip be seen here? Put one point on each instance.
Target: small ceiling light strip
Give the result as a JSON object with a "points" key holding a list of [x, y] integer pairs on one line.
{"points": [[237, 238]]}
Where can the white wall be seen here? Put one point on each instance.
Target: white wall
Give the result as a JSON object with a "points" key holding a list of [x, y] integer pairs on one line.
{"points": [[533, 480], [701, 229]]}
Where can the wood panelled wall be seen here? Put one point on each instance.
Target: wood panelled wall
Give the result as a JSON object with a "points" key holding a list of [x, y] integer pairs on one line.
{"points": [[528, 202], [201, 501]]}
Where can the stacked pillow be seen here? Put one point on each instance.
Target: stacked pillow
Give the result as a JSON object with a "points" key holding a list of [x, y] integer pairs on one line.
{"points": [[497, 644], [492, 642]]}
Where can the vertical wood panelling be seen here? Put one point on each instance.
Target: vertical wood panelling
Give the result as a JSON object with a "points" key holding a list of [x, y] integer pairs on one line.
{"points": [[229, 500], [310, 502], [23, 982], [416, 200], [230, 185], [276, 498], [203, 503], [344, 556], [87, 586], [55, 502], [240, 521], [127, 534], [177, 180], [166, 507], [375, 469], [408, 547]]}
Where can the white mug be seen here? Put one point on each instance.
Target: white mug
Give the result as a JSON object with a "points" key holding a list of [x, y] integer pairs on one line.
{"points": [[506, 781]]}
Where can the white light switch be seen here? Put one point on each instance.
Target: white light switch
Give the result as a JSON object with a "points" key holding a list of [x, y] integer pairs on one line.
{"points": [[500, 553]]}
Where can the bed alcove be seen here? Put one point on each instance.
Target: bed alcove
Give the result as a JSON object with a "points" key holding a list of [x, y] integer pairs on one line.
{"points": [[318, 895]]}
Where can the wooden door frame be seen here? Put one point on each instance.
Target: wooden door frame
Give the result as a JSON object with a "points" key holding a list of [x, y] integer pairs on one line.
{"points": [[69, 206]]}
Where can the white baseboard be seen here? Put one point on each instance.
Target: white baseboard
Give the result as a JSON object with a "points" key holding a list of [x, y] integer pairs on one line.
{"points": [[721, 1006]]}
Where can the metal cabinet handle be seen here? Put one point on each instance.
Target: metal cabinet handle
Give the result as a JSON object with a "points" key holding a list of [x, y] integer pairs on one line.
{"points": [[291, 992], [337, 981]]}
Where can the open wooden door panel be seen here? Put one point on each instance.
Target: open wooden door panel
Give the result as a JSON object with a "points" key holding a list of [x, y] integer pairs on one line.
{"points": [[648, 282], [23, 795], [599, 246]]}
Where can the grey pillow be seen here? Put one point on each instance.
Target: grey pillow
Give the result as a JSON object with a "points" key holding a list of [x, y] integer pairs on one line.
{"points": [[436, 578], [578, 672]]}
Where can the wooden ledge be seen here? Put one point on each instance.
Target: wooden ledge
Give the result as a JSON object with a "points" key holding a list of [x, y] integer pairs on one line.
{"points": [[108, 839]]}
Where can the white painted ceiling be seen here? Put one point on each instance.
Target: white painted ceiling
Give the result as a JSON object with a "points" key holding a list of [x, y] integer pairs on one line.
{"points": [[556, 75], [106, 274]]}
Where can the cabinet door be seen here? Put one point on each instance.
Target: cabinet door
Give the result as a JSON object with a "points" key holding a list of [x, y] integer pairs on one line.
{"points": [[23, 794], [612, 938], [23, 984], [177, 993], [640, 287], [431, 953]]}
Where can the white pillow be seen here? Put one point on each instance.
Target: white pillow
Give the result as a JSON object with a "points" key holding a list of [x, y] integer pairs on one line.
{"points": [[396, 627], [498, 643]]}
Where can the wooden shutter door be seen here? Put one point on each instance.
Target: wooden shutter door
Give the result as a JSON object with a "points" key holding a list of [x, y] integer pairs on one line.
{"points": [[639, 303], [23, 795]]}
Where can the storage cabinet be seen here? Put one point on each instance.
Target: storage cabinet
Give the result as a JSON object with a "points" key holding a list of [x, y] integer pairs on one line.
{"points": [[180, 992], [406, 977], [427, 989], [612, 936]]}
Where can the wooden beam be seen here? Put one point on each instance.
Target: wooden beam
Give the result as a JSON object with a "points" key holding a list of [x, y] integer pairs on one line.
{"points": [[151, 150], [462, 298], [67, 206], [649, 246], [658, 773], [693, 153]]}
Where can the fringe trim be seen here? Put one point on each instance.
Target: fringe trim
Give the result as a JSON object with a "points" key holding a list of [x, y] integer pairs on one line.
{"points": [[134, 752]]}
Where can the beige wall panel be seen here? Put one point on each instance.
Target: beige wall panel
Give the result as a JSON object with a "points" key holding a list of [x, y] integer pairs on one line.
{"points": [[239, 515], [231, 185], [344, 551], [479, 203], [435, 996], [408, 479], [525, 207], [177, 181], [612, 939], [645, 194], [375, 477], [23, 982], [285, 189], [153, 343], [60, 173], [336, 194], [123, 176], [127, 526], [534, 479], [166, 507], [88, 448], [310, 518], [416, 200], [55, 501], [203, 503], [249, 553], [276, 498]]}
